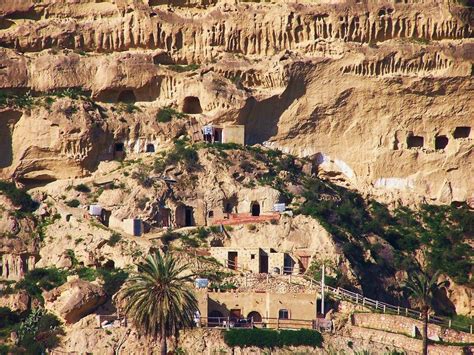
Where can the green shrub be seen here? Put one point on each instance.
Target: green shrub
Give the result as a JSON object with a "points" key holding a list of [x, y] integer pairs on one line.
{"points": [[8, 317], [18, 197], [113, 279], [73, 203], [202, 233], [222, 286], [442, 231], [39, 331], [72, 255], [170, 236], [82, 188], [4, 349], [215, 229], [183, 68], [74, 93], [42, 279], [181, 153], [142, 175], [87, 273], [114, 239], [261, 338], [127, 107], [268, 338], [302, 337], [166, 114]]}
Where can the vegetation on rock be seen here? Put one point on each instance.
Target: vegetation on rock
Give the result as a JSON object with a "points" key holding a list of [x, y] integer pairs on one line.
{"points": [[269, 338], [19, 197], [166, 114]]}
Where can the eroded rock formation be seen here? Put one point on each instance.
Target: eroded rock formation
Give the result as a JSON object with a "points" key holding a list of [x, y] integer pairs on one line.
{"points": [[310, 78]]}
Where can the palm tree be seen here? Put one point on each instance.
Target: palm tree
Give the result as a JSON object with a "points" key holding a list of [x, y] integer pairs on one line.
{"points": [[422, 288], [159, 299]]}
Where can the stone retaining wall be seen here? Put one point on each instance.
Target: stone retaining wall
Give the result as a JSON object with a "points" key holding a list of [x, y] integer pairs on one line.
{"points": [[404, 325]]}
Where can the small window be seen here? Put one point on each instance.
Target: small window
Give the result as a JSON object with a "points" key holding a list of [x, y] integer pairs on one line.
{"points": [[210, 214], [252, 256], [462, 132], [119, 147], [283, 314], [441, 142], [415, 142]]}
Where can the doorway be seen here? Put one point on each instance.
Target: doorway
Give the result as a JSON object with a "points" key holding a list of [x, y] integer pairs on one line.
{"points": [[232, 258], [188, 217], [191, 105], [255, 317], [263, 269], [235, 313], [255, 210]]}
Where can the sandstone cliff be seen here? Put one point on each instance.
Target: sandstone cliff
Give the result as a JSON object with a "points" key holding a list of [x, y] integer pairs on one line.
{"points": [[378, 91]]}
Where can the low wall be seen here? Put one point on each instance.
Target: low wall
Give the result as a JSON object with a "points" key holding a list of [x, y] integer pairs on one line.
{"points": [[404, 325], [410, 345]]}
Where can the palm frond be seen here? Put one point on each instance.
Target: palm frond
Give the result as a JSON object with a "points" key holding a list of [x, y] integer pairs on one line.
{"points": [[159, 298]]}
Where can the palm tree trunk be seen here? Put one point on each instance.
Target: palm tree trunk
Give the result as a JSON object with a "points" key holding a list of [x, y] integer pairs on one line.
{"points": [[163, 345], [425, 332]]}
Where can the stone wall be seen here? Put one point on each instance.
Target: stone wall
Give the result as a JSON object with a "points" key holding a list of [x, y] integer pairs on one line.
{"points": [[403, 325], [400, 341]]}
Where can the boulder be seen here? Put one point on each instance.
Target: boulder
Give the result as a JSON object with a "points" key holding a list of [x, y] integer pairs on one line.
{"points": [[17, 302], [74, 300]]}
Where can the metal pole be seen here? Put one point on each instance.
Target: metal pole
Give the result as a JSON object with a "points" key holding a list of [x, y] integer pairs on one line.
{"points": [[322, 290]]}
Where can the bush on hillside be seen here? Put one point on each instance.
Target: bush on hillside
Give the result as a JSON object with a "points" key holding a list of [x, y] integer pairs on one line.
{"points": [[18, 197], [269, 338], [38, 280]]}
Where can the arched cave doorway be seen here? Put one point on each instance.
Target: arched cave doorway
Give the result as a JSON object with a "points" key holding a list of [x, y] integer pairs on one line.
{"points": [[162, 58], [441, 142], [127, 96], [255, 209], [150, 148], [255, 317], [191, 105]]}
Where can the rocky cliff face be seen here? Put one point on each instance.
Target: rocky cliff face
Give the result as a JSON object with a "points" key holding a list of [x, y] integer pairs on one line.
{"points": [[377, 91]]}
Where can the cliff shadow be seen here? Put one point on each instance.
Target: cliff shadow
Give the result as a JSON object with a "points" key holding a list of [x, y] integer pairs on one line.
{"points": [[7, 119], [261, 118]]}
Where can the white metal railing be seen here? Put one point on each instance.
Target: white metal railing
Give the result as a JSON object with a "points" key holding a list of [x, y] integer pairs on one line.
{"points": [[379, 306]]}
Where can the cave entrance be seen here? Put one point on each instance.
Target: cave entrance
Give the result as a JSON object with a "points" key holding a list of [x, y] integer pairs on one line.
{"points": [[462, 132], [164, 217], [162, 58], [7, 121], [188, 217], [109, 265], [184, 216], [255, 209], [150, 148], [191, 105], [119, 150], [127, 96], [441, 142], [6, 155], [415, 142], [255, 317]]}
